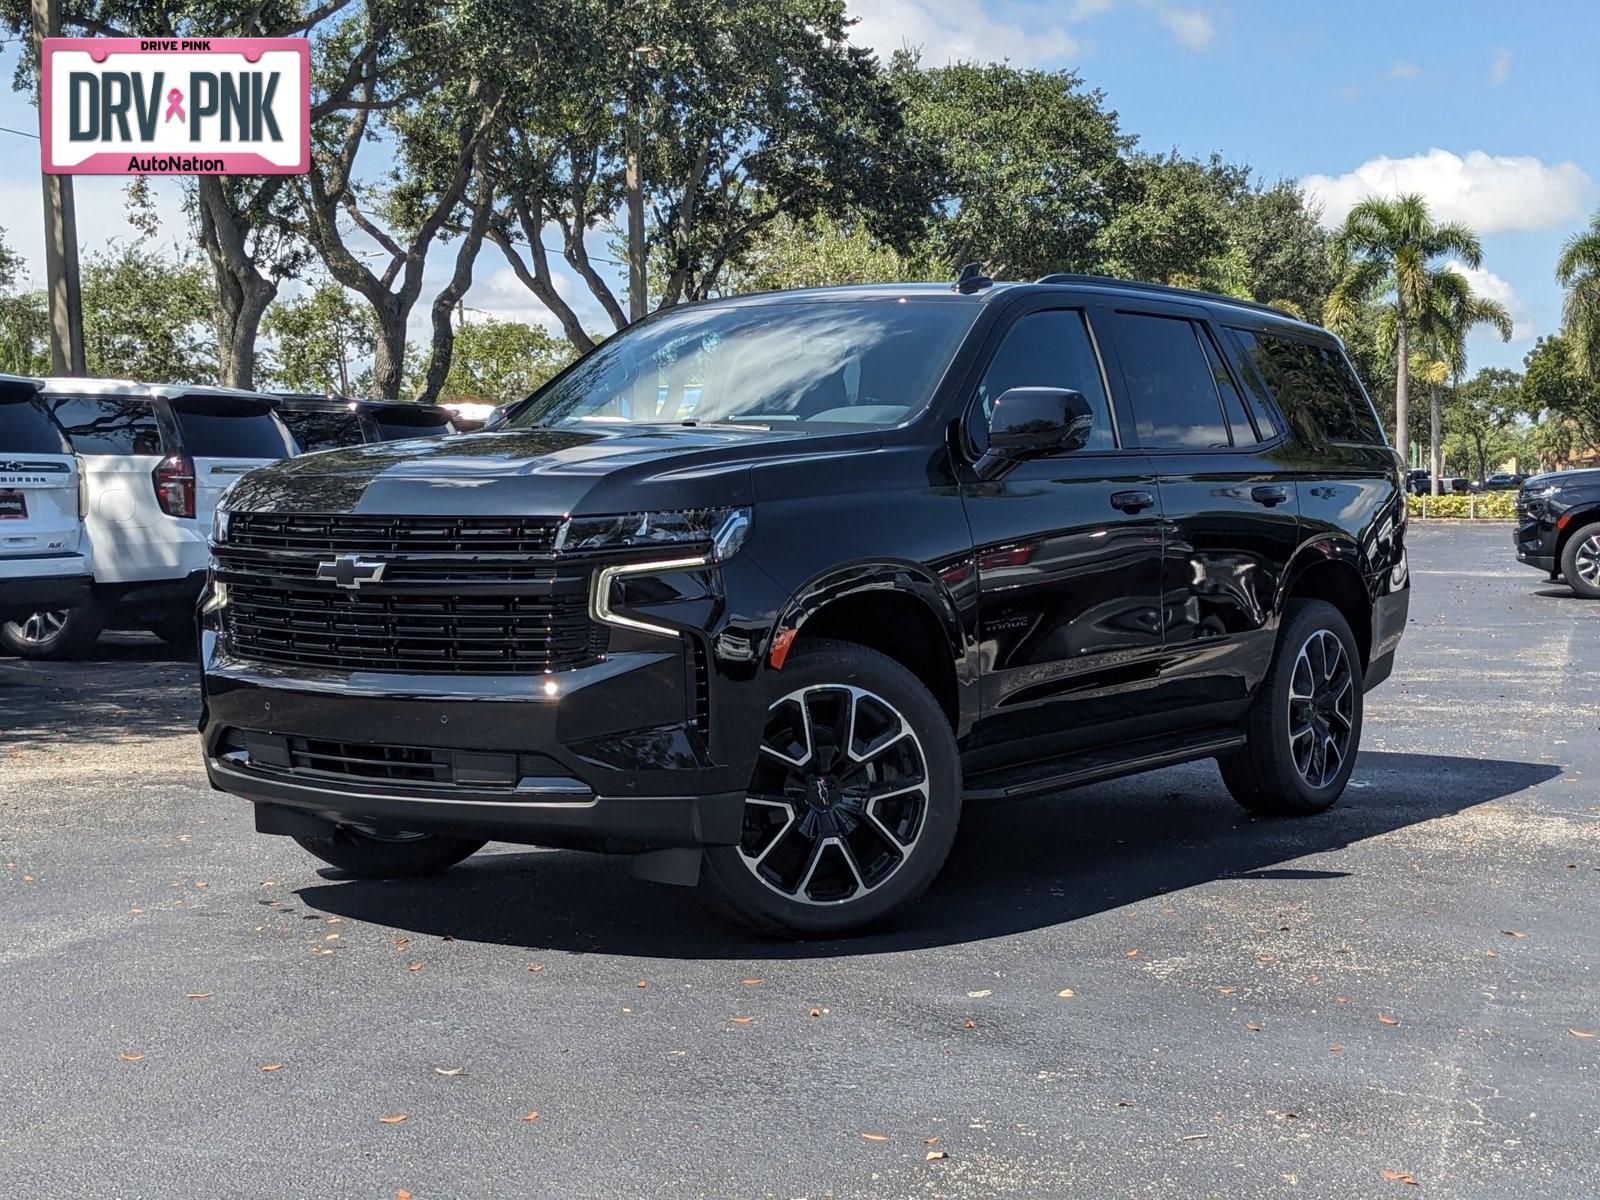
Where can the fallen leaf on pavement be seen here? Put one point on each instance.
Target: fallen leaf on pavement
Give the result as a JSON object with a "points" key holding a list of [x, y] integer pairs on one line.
{"points": [[1253, 1028], [1580, 1033], [128, 1056], [935, 1155], [741, 1020], [1131, 954], [448, 1070], [414, 966], [1386, 1019], [980, 995], [400, 943], [876, 1137], [752, 982], [1335, 1048], [402, 1194], [1516, 933], [1399, 1177], [531, 1116], [971, 1024], [393, 1118], [269, 1068], [535, 967], [641, 984], [931, 1141], [197, 995], [1066, 994], [816, 1012]]}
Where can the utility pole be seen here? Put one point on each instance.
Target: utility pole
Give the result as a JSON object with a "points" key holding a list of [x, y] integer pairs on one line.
{"points": [[633, 182], [60, 231]]}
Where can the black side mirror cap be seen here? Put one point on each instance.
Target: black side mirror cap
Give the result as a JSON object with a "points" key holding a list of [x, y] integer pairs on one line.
{"points": [[1033, 422]]}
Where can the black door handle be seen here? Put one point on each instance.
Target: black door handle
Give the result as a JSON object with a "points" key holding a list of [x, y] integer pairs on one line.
{"points": [[1269, 496], [1132, 502]]}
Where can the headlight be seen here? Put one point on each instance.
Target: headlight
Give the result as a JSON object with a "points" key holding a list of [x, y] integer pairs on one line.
{"points": [[1541, 493], [219, 525], [720, 530]]}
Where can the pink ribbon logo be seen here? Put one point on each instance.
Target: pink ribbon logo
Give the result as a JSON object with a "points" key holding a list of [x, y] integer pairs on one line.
{"points": [[175, 105]]}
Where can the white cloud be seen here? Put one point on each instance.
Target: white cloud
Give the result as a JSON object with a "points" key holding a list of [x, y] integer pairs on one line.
{"points": [[1500, 67], [953, 30], [1401, 69], [1488, 284], [1493, 193], [1190, 26]]}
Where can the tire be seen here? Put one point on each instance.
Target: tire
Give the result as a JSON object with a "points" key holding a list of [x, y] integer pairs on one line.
{"points": [[372, 855], [54, 636], [1285, 774], [1580, 561], [835, 850]]}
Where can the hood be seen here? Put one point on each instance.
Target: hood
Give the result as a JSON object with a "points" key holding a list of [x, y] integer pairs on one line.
{"points": [[1585, 475], [531, 472]]}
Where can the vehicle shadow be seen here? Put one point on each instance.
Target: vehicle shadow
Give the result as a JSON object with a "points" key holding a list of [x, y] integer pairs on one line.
{"points": [[133, 687], [1016, 867]]}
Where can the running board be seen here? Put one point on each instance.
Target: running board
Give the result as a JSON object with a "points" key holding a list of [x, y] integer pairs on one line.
{"points": [[1030, 779]]}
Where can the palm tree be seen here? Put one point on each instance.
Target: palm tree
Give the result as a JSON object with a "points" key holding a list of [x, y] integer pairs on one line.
{"points": [[1450, 311], [1388, 247], [1578, 270]]}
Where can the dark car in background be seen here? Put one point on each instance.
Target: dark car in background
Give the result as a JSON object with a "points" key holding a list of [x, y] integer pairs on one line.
{"points": [[762, 591], [329, 422], [1558, 528], [1503, 481]]}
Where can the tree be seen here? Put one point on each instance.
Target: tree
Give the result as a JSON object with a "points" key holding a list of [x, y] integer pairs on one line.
{"points": [[1578, 272], [1450, 311], [823, 253], [1388, 247], [1554, 389], [1483, 412], [24, 322], [321, 338], [499, 361], [147, 316], [1033, 166]]}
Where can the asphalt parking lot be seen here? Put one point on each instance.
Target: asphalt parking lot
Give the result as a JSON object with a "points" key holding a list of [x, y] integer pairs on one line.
{"points": [[1127, 990]]}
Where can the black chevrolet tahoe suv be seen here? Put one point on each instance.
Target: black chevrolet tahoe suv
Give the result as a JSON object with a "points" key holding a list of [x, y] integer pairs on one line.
{"points": [[1558, 528], [762, 592]]}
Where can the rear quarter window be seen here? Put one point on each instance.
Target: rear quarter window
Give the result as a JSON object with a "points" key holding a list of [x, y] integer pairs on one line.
{"points": [[226, 427], [107, 424], [1315, 386], [396, 423], [25, 428]]}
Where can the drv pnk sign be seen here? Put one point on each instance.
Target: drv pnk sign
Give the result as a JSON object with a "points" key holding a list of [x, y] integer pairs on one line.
{"points": [[176, 106]]}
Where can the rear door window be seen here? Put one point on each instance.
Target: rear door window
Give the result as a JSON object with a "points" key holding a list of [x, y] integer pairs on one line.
{"points": [[1314, 385], [107, 424], [229, 427], [1046, 349], [1244, 433], [1169, 382], [25, 428]]}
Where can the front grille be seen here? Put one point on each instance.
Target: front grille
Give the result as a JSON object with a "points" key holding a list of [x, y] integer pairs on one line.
{"points": [[346, 533], [369, 762], [418, 632]]}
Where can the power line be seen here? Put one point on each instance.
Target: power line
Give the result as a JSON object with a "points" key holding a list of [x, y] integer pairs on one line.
{"points": [[19, 132]]}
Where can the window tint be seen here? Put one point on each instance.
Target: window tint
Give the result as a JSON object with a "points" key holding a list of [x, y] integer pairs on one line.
{"points": [[25, 429], [225, 427], [1315, 385], [322, 430], [107, 424], [1046, 349], [1238, 420], [1169, 383]]}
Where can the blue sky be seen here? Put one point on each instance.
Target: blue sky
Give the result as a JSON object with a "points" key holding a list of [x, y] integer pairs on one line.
{"points": [[1488, 109]]}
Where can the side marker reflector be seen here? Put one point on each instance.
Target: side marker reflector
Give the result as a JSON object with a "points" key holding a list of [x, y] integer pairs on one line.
{"points": [[780, 648]]}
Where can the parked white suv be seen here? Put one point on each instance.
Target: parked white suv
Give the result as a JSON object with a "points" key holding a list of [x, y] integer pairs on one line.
{"points": [[44, 559], [155, 461]]}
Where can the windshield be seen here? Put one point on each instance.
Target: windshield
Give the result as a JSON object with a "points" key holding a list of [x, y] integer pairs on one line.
{"points": [[867, 362]]}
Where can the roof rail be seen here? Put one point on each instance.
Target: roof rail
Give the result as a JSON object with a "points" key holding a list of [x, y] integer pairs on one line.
{"points": [[1165, 288]]}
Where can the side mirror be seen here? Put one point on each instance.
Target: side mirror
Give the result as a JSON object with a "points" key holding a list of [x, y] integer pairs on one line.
{"points": [[1032, 422]]}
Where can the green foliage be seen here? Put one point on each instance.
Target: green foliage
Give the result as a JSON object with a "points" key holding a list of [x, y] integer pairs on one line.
{"points": [[1483, 416], [1578, 271], [1554, 387], [24, 323], [148, 316], [321, 338], [822, 253], [499, 361], [1486, 506], [1033, 163]]}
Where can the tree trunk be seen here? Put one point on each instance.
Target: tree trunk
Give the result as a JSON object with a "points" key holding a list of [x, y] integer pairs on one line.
{"points": [[389, 357], [638, 298], [444, 331], [243, 292], [1435, 446], [1402, 412]]}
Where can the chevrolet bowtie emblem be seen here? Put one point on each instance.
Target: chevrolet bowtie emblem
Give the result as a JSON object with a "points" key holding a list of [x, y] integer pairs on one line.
{"points": [[349, 571]]}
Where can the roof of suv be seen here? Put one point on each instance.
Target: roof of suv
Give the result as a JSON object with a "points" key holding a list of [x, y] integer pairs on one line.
{"points": [[1103, 285], [320, 402]]}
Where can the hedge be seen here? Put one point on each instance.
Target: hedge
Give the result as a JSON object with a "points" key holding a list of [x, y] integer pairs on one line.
{"points": [[1486, 506]]}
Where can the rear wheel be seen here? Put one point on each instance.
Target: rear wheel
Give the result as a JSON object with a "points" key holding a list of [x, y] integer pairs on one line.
{"points": [[370, 853], [1580, 561], [63, 634], [854, 802], [1304, 726]]}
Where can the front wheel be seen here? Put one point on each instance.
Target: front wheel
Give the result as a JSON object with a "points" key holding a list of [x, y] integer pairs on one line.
{"points": [[1304, 726], [854, 802], [1580, 561], [54, 636], [389, 854]]}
